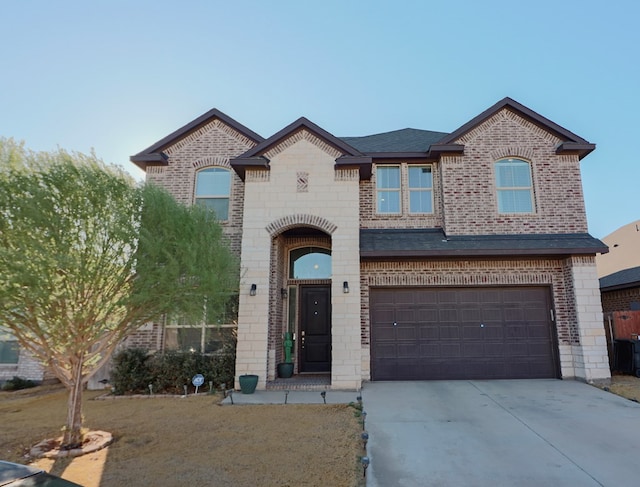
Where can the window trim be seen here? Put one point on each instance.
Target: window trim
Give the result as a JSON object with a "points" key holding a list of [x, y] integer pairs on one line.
{"points": [[202, 327], [213, 196], [529, 189], [405, 191], [390, 190], [411, 190]]}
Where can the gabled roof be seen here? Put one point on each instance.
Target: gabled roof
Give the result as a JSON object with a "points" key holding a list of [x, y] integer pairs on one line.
{"points": [[623, 279], [154, 155], [396, 243], [256, 156], [404, 140], [572, 143], [406, 144]]}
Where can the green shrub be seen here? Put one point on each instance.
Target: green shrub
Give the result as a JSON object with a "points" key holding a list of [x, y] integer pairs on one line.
{"points": [[131, 373], [168, 372], [18, 383]]}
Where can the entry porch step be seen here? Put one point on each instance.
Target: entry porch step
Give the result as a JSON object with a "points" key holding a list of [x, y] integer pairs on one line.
{"points": [[301, 382]]}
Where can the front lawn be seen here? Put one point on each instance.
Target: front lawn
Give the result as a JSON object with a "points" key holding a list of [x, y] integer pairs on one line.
{"points": [[191, 441]]}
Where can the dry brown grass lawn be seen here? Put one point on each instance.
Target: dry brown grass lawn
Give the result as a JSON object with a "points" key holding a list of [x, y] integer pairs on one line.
{"points": [[192, 441]]}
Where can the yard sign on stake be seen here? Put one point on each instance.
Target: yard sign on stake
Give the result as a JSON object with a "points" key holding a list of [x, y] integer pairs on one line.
{"points": [[197, 381]]}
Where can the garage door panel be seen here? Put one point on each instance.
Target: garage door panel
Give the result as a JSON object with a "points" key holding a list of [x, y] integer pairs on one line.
{"points": [[408, 350], [451, 350], [513, 314], [488, 315], [516, 331], [538, 330], [405, 315], [386, 352], [448, 315], [515, 350], [430, 350], [439, 333], [472, 332], [385, 315], [469, 314], [385, 334], [405, 297], [449, 332], [472, 350], [427, 315], [429, 332], [404, 333]]}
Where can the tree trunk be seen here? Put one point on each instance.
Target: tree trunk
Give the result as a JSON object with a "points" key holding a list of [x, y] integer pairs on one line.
{"points": [[73, 430]]}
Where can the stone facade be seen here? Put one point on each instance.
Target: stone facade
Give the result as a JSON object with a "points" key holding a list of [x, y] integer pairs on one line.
{"points": [[273, 204]]}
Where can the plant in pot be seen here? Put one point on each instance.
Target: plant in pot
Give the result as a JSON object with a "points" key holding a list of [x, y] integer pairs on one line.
{"points": [[285, 369], [248, 383]]}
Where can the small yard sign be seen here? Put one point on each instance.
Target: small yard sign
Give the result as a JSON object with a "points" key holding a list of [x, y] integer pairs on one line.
{"points": [[197, 381]]}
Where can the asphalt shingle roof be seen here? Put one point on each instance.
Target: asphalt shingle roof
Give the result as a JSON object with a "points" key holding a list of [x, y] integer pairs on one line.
{"points": [[433, 242], [621, 279], [404, 140]]}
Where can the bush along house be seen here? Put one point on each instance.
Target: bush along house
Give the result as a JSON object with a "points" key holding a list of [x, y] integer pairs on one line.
{"points": [[406, 255]]}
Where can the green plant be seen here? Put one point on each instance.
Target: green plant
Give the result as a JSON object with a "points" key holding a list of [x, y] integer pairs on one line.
{"points": [[130, 372], [168, 372], [17, 383]]}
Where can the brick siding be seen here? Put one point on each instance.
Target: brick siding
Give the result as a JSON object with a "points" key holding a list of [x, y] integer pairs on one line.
{"points": [[620, 300], [461, 273]]}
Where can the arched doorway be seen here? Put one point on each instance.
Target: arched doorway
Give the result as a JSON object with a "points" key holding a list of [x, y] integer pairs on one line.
{"points": [[307, 266], [303, 269]]}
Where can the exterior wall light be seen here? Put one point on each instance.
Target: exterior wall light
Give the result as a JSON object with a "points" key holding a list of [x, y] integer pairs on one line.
{"points": [[345, 287], [252, 292], [284, 293]]}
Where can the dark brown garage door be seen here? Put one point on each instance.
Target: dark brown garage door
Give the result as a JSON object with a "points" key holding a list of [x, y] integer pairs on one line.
{"points": [[462, 333]]}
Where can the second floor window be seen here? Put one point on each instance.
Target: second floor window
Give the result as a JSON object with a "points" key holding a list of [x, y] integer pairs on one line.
{"points": [[388, 189], [420, 189], [213, 186], [404, 189], [514, 186]]}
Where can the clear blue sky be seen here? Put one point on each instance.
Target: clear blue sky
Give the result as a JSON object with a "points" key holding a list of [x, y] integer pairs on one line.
{"points": [[117, 76]]}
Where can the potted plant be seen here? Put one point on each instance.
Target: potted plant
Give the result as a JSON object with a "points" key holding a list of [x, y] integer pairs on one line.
{"points": [[248, 383], [285, 369]]}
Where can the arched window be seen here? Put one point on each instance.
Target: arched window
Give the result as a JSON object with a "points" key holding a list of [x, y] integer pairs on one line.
{"points": [[213, 186], [514, 186], [310, 263]]}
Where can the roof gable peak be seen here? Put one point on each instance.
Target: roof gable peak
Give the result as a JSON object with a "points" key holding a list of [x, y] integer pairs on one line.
{"points": [[154, 155], [301, 123], [570, 141]]}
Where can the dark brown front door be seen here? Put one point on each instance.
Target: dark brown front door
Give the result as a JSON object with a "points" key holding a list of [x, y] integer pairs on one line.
{"points": [[462, 333], [315, 328]]}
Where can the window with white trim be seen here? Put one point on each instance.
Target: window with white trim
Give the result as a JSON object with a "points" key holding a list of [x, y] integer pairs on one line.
{"points": [[420, 189], [213, 186], [388, 190], [404, 189], [514, 186], [208, 336]]}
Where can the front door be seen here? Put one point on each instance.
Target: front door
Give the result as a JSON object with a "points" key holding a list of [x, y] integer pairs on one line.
{"points": [[315, 328]]}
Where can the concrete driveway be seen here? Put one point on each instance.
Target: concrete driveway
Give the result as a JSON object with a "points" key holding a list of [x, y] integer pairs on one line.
{"points": [[500, 433]]}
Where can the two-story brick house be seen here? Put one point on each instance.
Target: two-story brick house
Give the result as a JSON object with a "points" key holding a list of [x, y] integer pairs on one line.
{"points": [[404, 255]]}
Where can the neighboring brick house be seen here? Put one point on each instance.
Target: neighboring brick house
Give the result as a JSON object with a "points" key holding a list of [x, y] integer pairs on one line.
{"points": [[16, 362], [404, 255], [621, 290]]}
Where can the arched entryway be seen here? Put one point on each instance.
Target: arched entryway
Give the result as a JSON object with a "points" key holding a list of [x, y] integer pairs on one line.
{"points": [[300, 315]]}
